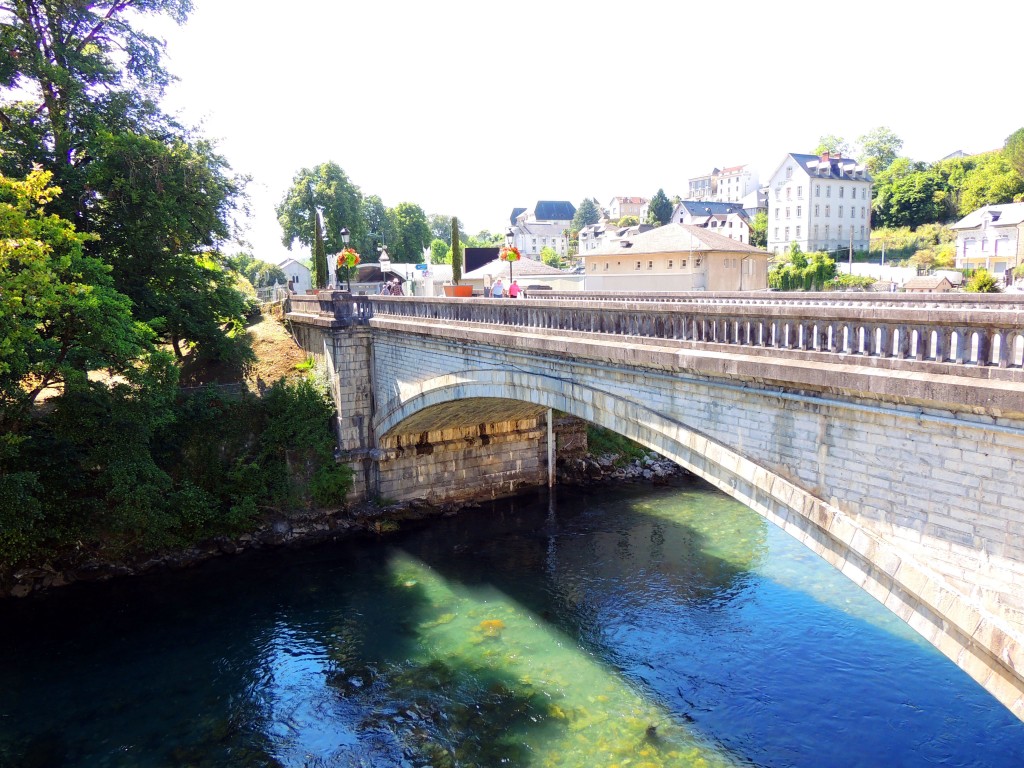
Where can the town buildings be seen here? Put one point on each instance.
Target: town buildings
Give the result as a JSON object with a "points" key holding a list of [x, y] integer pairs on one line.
{"points": [[736, 184], [628, 206], [821, 203], [727, 219], [546, 225]]}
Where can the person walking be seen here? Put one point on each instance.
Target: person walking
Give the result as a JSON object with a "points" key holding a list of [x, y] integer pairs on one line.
{"points": [[513, 290], [497, 290]]}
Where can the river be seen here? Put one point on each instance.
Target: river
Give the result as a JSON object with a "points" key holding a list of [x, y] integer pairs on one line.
{"points": [[635, 628]]}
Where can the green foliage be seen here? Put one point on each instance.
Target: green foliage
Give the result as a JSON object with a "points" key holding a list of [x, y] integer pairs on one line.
{"points": [[759, 230], [798, 271], [832, 144], [940, 257], [328, 188], [879, 148], [1013, 151], [603, 442], [659, 210], [410, 233], [587, 212], [551, 257], [440, 228], [259, 273], [320, 271], [439, 249], [906, 195], [456, 252], [629, 221], [849, 282], [135, 467], [982, 281]]}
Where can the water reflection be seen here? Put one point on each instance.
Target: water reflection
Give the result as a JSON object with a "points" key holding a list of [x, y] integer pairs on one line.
{"points": [[670, 627]]}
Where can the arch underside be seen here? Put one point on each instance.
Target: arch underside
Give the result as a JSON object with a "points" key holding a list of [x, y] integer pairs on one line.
{"points": [[974, 640]]}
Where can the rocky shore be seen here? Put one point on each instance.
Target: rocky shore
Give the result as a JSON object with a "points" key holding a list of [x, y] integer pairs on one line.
{"points": [[317, 526]]}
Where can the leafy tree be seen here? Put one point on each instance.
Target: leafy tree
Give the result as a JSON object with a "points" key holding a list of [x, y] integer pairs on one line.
{"points": [[410, 233], [797, 271], [879, 148], [629, 221], [1013, 150], [259, 273], [832, 144], [587, 213], [60, 315], [456, 253], [660, 209], [378, 227], [328, 188], [551, 257], [759, 230], [982, 281], [992, 182], [440, 227], [439, 248], [906, 195]]}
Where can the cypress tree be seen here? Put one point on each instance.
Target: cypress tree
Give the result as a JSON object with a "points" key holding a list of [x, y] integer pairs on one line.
{"points": [[319, 253], [456, 253]]}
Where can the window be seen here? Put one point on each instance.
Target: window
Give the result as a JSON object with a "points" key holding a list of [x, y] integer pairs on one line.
{"points": [[777, 212], [840, 210], [828, 210], [593, 267], [853, 212], [787, 213], [682, 263], [861, 231], [841, 189], [670, 263], [817, 190], [840, 233], [826, 231], [789, 172], [789, 193], [799, 211], [817, 211], [787, 234], [638, 265], [863, 193], [862, 212], [778, 194], [799, 193], [697, 261], [798, 233], [776, 233], [650, 265], [828, 191], [815, 231], [606, 266]]}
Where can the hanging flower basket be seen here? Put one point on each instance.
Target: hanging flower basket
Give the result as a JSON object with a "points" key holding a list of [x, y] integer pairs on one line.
{"points": [[510, 253], [348, 258]]}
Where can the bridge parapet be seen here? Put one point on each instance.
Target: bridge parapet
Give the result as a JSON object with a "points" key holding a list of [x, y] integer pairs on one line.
{"points": [[949, 339]]}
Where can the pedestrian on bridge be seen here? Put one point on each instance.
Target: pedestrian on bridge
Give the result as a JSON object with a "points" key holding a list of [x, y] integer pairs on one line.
{"points": [[497, 290]]}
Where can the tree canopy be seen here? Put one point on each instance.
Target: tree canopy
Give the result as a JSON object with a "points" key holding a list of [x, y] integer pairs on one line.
{"points": [[879, 147], [587, 213], [660, 209], [327, 188]]}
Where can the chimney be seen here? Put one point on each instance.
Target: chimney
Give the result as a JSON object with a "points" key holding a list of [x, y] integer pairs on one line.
{"points": [[824, 157]]}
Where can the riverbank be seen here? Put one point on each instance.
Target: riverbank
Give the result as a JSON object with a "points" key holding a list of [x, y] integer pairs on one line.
{"points": [[314, 526]]}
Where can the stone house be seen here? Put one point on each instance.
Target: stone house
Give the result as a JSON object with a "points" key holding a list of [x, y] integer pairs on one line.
{"points": [[928, 284], [991, 238], [543, 226]]}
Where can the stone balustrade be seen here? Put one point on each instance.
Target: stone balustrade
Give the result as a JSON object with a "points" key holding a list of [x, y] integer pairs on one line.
{"points": [[953, 339]]}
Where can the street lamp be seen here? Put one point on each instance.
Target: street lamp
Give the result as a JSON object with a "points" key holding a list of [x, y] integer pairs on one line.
{"points": [[345, 236], [510, 241]]}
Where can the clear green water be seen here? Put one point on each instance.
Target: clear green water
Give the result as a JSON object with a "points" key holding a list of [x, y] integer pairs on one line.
{"points": [[639, 628]]}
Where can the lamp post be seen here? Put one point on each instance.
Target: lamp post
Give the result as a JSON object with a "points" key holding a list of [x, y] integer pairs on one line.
{"points": [[510, 241], [345, 236]]}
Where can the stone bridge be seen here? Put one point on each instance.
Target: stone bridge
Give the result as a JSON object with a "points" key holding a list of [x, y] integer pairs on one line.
{"points": [[884, 432]]}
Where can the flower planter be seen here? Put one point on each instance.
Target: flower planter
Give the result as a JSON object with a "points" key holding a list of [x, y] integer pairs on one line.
{"points": [[458, 290]]}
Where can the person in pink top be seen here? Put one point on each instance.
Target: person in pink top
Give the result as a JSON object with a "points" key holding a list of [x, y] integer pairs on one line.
{"points": [[513, 290]]}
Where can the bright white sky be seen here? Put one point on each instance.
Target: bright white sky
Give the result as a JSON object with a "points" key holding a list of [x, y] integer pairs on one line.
{"points": [[470, 108]]}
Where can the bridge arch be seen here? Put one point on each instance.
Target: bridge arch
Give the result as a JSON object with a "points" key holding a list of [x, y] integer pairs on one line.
{"points": [[904, 586]]}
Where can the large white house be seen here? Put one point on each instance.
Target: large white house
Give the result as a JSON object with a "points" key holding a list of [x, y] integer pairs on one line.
{"points": [[822, 203], [297, 274], [628, 206], [991, 238]]}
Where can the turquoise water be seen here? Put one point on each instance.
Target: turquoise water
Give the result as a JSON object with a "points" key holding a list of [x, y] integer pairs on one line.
{"points": [[639, 628]]}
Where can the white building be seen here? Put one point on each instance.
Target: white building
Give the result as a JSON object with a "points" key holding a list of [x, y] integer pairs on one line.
{"points": [[726, 219], [546, 225], [991, 238], [727, 185], [820, 203], [297, 275], [628, 206]]}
